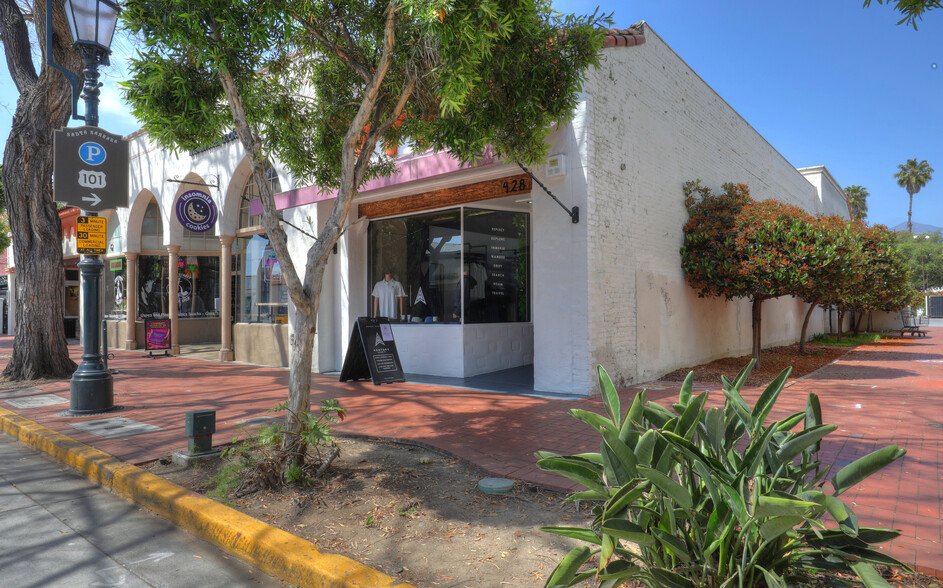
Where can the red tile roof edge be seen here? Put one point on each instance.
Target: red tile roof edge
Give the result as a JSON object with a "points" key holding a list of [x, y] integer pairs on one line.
{"points": [[630, 37]]}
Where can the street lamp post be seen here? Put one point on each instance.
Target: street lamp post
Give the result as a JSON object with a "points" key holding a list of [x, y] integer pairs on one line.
{"points": [[92, 24]]}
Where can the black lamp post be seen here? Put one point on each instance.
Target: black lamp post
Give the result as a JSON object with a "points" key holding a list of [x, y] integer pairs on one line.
{"points": [[92, 24]]}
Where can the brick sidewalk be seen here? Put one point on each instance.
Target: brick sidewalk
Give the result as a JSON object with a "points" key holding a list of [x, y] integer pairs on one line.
{"points": [[881, 394]]}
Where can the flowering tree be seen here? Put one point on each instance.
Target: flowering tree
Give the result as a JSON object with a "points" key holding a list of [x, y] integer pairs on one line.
{"points": [[885, 276], [737, 247], [834, 271]]}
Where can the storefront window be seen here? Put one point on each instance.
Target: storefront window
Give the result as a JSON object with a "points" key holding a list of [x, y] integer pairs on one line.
{"points": [[262, 296], [116, 291], [496, 266], [482, 278], [152, 287], [197, 286]]}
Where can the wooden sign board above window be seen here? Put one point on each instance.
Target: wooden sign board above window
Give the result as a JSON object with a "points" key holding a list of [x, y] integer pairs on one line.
{"points": [[509, 186]]}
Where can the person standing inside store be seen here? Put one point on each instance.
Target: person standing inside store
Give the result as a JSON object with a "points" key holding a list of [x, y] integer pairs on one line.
{"points": [[388, 295]]}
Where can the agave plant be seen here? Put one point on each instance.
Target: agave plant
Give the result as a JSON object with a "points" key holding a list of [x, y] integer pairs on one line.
{"points": [[691, 497]]}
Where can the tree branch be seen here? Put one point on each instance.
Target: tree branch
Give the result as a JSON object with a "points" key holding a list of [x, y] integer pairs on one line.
{"points": [[364, 71]]}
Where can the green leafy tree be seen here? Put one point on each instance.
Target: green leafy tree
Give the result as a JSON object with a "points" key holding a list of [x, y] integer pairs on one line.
{"points": [[833, 265], [857, 201], [912, 176], [736, 247], [44, 105], [912, 10], [885, 276], [318, 86], [924, 255]]}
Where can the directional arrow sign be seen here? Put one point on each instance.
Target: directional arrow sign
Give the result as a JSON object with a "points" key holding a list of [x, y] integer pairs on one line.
{"points": [[90, 167]]}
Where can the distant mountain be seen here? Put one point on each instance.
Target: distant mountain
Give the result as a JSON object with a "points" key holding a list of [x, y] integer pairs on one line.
{"points": [[918, 228]]}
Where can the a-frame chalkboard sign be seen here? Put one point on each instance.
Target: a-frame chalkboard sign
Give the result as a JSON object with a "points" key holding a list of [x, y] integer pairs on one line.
{"points": [[372, 353]]}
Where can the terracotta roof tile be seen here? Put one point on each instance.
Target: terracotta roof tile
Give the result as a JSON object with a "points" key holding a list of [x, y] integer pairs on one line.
{"points": [[634, 35]]}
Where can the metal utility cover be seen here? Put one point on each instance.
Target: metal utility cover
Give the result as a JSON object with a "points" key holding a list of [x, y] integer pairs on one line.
{"points": [[90, 166], [91, 235], [37, 401], [115, 427]]}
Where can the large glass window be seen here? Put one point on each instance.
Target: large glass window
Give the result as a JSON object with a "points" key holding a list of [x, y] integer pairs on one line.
{"points": [[116, 290], [152, 287], [496, 266], [197, 286], [424, 262], [262, 296]]}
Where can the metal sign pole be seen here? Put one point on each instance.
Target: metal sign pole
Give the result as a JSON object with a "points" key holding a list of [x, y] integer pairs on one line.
{"points": [[92, 384]]}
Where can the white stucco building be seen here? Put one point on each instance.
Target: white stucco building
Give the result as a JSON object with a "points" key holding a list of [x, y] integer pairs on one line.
{"points": [[541, 291]]}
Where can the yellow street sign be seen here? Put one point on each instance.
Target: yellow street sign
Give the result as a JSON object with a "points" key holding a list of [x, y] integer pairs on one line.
{"points": [[91, 235]]}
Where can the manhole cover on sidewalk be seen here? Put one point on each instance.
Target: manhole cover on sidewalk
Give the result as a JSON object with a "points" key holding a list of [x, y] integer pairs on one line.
{"points": [[16, 393], [37, 401], [115, 427]]}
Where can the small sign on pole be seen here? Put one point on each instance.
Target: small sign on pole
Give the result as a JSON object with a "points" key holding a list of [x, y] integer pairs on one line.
{"points": [[91, 235]]}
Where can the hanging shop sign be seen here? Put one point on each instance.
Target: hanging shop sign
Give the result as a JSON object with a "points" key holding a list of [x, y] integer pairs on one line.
{"points": [[91, 234], [372, 353], [196, 211]]}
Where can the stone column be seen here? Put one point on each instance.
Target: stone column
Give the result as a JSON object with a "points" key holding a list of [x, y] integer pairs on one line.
{"points": [[130, 338], [173, 288], [225, 296]]}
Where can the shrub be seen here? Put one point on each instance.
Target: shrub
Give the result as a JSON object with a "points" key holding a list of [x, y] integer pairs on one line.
{"points": [[714, 497]]}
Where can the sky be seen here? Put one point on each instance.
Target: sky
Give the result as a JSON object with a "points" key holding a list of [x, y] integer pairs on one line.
{"points": [[825, 82]]}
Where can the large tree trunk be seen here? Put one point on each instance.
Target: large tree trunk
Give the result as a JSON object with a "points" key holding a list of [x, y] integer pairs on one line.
{"points": [[757, 328], [39, 350], [805, 328]]}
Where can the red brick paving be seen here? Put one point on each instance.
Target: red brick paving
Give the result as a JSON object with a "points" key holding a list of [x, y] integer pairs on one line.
{"points": [[891, 392]]}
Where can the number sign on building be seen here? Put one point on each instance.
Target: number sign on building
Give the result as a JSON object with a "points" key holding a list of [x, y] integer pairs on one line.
{"points": [[90, 167]]}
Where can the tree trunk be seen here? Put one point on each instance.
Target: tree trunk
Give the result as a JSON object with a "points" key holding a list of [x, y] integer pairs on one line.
{"points": [[841, 322], [757, 328], [910, 209], [805, 328], [858, 323], [39, 348]]}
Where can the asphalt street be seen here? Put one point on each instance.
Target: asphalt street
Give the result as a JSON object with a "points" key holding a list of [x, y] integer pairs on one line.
{"points": [[57, 529]]}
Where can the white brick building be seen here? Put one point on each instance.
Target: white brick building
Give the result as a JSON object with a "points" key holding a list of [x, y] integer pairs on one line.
{"points": [[542, 291]]}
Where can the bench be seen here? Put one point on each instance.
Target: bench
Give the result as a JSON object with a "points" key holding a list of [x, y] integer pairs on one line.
{"points": [[912, 323]]}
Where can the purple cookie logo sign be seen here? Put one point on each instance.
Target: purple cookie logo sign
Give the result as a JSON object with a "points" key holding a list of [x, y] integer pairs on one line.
{"points": [[196, 211]]}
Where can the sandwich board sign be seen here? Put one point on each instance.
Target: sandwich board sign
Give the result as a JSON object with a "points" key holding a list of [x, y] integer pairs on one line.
{"points": [[90, 167], [372, 353]]}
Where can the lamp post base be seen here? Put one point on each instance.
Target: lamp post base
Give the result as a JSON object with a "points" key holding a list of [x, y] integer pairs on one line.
{"points": [[92, 392]]}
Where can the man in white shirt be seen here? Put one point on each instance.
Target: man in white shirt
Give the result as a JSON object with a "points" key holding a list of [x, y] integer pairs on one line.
{"points": [[386, 293]]}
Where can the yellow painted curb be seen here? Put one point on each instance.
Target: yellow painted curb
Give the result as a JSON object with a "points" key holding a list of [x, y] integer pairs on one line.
{"points": [[271, 550]]}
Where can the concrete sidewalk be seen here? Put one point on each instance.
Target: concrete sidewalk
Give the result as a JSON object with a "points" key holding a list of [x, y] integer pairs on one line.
{"points": [[888, 393]]}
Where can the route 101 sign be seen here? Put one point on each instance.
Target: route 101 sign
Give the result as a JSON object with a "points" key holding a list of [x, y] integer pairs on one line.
{"points": [[90, 166]]}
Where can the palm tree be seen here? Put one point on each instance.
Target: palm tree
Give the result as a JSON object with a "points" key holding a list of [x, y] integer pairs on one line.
{"points": [[857, 201], [913, 176]]}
